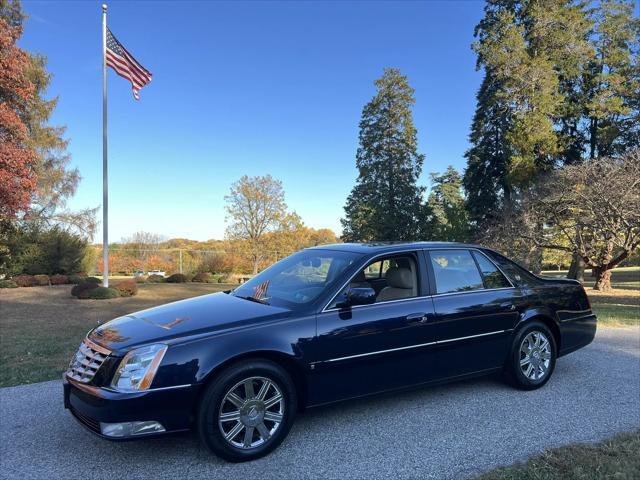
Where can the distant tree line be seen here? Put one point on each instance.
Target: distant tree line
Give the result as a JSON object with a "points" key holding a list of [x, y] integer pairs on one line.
{"points": [[558, 111]]}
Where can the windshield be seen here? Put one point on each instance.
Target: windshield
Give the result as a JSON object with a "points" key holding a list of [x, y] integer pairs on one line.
{"points": [[297, 279]]}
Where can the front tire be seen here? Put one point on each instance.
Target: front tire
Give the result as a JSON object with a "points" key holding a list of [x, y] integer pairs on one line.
{"points": [[533, 357], [247, 411]]}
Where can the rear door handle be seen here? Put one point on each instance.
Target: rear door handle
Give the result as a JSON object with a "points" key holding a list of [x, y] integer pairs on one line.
{"points": [[418, 317]]}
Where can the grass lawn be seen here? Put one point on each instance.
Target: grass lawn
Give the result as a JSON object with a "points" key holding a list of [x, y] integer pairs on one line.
{"points": [[616, 458], [41, 327]]}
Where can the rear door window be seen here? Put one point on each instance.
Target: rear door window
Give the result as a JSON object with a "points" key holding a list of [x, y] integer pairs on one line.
{"points": [[455, 271], [493, 278]]}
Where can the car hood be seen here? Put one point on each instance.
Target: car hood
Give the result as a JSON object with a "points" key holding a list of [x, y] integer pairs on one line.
{"points": [[172, 322]]}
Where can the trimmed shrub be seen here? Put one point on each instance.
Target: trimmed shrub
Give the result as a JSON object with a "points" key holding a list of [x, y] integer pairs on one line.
{"points": [[225, 279], [82, 290], [24, 280], [204, 277], [155, 279], [103, 293], [41, 280], [8, 284], [95, 280], [76, 278], [59, 279], [127, 288], [177, 278], [142, 279]]}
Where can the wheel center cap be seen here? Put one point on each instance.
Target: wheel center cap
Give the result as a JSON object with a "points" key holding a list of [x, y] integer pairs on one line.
{"points": [[252, 413]]}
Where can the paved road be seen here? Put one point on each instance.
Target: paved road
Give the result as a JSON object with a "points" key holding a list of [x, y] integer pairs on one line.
{"points": [[445, 432]]}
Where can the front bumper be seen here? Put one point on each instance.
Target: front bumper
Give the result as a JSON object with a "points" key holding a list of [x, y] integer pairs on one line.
{"points": [[173, 407]]}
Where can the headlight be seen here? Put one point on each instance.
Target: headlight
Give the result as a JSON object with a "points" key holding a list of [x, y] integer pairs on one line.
{"points": [[138, 367]]}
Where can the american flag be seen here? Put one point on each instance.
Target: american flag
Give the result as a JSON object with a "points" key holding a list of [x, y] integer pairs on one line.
{"points": [[260, 292], [125, 65]]}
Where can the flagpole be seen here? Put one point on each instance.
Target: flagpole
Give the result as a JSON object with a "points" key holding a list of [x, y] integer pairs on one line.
{"points": [[105, 181]]}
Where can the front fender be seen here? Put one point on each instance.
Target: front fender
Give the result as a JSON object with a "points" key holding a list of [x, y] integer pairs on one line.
{"points": [[193, 361]]}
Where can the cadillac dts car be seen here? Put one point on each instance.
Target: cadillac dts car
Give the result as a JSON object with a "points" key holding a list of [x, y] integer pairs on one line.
{"points": [[325, 324]]}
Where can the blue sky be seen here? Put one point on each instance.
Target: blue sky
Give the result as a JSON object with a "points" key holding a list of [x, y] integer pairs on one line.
{"points": [[247, 88]]}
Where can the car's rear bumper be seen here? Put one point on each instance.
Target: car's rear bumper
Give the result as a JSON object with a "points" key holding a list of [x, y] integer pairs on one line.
{"points": [[171, 407], [577, 332]]}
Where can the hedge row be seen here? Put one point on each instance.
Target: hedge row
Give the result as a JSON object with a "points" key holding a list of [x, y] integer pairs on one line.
{"points": [[181, 278], [25, 280], [93, 290]]}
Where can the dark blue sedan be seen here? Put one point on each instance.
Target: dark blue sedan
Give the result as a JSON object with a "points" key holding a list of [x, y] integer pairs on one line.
{"points": [[325, 324]]}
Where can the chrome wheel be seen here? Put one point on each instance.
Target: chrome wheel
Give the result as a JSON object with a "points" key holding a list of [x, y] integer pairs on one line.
{"points": [[535, 356], [251, 412]]}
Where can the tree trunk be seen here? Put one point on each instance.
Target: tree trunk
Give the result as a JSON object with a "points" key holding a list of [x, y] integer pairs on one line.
{"points": [[576, 270], [603, 279]]}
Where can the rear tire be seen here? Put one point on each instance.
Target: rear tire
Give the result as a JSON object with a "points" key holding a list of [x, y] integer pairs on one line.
{"points": [[247, 411], [533, 357]]}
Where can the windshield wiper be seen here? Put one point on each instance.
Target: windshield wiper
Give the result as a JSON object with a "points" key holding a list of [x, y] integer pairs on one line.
{"points": [[253, 299]]}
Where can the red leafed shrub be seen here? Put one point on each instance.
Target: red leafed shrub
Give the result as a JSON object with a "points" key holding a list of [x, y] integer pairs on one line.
{"points": [[41, 280], [82, 290], [59, 279], [127, 288], [25, 280]]}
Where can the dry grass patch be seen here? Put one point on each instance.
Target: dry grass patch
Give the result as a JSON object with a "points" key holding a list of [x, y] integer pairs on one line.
{"points": [[616, 458], [41, 327]]}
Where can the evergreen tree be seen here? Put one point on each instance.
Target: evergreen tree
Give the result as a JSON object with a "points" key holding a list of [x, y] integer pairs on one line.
{"points": [[612, 81], [485, 178], [386, 202], [448, 207]]}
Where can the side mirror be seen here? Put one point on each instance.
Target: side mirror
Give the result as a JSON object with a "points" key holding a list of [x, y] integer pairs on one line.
{"points": [[358, 296]]}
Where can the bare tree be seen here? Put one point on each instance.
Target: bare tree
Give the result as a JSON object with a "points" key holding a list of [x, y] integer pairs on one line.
{"points": [[590, 209], [144, 244], [255, 206]]}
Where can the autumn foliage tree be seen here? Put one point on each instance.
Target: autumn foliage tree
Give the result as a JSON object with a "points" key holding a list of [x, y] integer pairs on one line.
{"points": [[17, 160], [255, 206]]}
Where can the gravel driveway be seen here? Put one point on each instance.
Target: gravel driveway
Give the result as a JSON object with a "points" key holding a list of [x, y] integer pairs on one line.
{"points": [[451, 431]]}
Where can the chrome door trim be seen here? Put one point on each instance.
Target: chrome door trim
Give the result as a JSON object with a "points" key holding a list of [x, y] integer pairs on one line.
{"points": [[378, 352], [373, 304], [472, 291], [470, 336]]}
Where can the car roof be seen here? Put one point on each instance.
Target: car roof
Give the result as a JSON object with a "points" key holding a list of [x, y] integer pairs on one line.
{"points": [[382, 247]]}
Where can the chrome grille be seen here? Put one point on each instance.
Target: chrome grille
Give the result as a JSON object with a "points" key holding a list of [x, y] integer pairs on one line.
{"points": [[87, 361]]}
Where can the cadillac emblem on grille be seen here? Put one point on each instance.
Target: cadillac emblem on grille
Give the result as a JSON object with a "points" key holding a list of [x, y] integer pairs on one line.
{"points": [[87, 361]]}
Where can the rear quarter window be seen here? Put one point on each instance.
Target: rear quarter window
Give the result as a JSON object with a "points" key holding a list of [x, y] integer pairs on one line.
{"points": [[518, 275]]}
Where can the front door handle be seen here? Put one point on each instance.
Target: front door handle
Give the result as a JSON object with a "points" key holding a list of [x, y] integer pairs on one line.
{"points": [[418, 317], [507, 306]]}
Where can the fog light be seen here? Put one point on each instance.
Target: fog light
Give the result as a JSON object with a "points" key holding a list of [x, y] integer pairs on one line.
{"points": [[129, 429]]}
